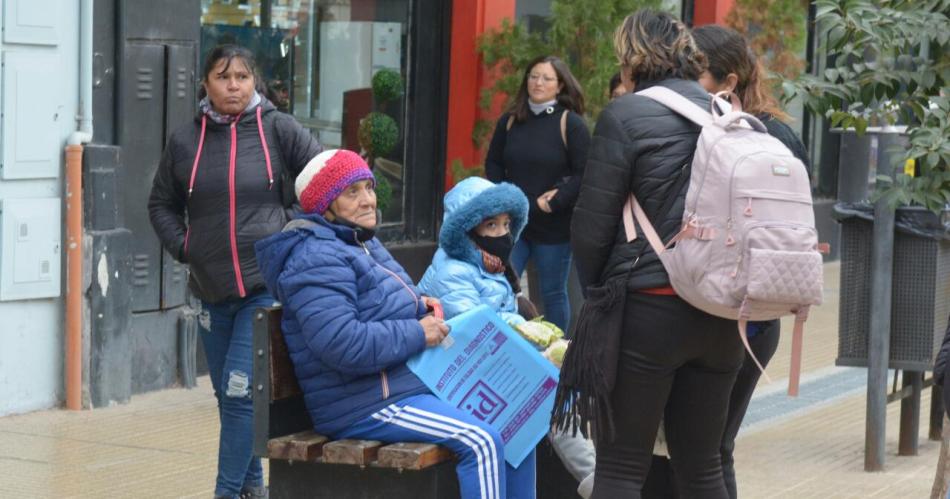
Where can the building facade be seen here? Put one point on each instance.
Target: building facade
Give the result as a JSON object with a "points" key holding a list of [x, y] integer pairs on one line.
{"points": [[136, 77], [40, 99]]}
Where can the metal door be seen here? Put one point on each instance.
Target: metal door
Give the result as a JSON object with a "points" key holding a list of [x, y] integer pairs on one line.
{"points": [[141, 136], [179, 108]]}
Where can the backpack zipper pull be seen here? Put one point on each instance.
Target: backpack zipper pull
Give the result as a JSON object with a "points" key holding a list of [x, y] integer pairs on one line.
{"points": [[748, 208]]}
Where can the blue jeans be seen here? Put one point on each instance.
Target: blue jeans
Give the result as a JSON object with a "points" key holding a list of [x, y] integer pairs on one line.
{"points": [[481, 469], [553, 262], [227, 343]]}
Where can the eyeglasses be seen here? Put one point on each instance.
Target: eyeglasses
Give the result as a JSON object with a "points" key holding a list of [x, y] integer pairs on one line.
{"points": [[543, 78]]}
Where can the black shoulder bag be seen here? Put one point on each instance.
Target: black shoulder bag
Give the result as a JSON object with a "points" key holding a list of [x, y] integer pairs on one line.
{"points": [[589, 370]]}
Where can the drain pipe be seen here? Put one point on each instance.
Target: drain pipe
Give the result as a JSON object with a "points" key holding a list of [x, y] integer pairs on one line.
{"points": [[74, 232]]}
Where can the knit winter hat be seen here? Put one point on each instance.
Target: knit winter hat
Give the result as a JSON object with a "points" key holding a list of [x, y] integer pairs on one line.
{"points": [[326, 176]]}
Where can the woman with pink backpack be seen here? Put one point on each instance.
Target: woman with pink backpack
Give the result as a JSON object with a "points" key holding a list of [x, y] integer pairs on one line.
{"points": [[734, 67], [666, 360]]}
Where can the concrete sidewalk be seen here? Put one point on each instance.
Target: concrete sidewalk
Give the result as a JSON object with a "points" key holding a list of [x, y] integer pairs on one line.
{"points": [[164, 444]]}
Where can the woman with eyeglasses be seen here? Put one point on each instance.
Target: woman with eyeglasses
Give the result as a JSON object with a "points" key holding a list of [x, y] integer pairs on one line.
{"points": [[540, 145]]}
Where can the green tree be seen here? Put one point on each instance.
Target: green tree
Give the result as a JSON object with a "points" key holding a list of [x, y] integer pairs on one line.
{"points": [[891, 65], [581, 32], [775, 30]]}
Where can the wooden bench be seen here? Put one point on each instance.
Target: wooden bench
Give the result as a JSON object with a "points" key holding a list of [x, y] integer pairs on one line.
{"points": [[306, 464]]}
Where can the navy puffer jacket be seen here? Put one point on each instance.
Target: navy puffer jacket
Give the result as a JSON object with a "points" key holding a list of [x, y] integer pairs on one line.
{"points": [[351, 320]]}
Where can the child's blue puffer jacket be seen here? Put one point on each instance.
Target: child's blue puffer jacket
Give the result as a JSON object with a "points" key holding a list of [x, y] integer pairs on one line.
{"points": [[457, 276]]}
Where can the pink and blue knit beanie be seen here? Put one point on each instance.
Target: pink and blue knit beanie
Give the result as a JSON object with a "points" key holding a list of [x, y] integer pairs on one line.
{"points": [[326, 176]]}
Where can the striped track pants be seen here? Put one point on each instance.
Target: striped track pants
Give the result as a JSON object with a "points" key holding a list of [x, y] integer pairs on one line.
{"points": [[482, 470]]}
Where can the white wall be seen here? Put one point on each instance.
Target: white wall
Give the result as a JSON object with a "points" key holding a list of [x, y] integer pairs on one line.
{"points": [[31, 331]]}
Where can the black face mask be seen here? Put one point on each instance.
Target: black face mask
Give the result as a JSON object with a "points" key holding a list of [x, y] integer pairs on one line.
{"points": [[499, 246], [362, 233]]}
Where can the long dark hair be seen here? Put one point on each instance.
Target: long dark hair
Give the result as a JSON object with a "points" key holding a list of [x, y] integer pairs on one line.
{"points": [[571, 96], [727, 52], [229, 52]]}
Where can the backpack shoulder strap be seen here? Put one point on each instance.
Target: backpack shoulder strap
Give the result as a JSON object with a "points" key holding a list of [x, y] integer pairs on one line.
{"points": [[511, 122], [683, 106], [564, 128]]}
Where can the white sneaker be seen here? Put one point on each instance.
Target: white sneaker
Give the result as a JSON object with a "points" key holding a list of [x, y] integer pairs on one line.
{"points": [[586, 487]]}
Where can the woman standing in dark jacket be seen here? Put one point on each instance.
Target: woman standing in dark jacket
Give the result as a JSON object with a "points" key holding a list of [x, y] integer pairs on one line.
{"points": [[734, 67], [676, 362], [220, 188], [540, 145]]}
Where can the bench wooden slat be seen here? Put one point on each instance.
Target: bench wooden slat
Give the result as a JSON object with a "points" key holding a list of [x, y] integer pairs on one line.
{"points": [[412, 456], [303, 446], [358, 452]]}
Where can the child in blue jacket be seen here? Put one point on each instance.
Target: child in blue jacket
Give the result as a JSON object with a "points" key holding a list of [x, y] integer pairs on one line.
{"points": [[481, 223]]}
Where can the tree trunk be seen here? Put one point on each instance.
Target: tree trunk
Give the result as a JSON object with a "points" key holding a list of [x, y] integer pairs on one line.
{"points": [[942, 477]]}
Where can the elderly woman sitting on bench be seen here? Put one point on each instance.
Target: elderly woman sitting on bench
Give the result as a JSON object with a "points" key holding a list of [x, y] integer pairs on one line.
{"points": [[352, 317]]}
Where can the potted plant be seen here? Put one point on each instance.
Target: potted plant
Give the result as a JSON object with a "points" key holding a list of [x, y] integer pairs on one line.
{"points": [[378, 135], [889, 83]]}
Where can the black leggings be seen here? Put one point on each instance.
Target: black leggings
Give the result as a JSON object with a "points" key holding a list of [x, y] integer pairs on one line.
{"points": [[660, 483], [763, 345], [676, 357]]}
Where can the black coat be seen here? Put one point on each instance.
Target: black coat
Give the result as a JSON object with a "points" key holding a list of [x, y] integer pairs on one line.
{"points": [[639, 145], [533, 156], [215, 228]]}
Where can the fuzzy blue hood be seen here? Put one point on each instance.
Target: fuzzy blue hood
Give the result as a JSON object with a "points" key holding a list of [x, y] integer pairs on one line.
{"points": [[471, 201]]}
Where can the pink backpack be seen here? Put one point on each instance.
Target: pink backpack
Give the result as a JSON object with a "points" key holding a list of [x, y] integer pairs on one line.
{"points": [[748, 249]]}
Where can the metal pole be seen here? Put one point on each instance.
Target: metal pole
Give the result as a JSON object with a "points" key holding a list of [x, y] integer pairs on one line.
{"points": [[882, 263], [266, 14], [910, 414]]}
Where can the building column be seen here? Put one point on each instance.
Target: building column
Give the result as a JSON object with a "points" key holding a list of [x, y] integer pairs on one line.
{"points": [[711, 11], [470, 18]]}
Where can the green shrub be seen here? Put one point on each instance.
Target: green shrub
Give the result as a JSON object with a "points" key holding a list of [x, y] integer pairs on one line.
{"points": [[387, 85], [378, 134], [384, 193], [891, 65], [460, 172]]}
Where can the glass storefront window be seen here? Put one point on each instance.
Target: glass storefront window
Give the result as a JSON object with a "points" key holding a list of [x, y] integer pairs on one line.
{"points": [[318, 59]]}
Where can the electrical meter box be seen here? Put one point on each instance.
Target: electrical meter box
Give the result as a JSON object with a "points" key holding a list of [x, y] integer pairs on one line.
{"points": [[30, 248]]}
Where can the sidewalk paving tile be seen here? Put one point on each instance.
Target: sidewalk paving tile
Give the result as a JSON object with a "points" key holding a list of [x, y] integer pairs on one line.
{"points": [[164, 444]]}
